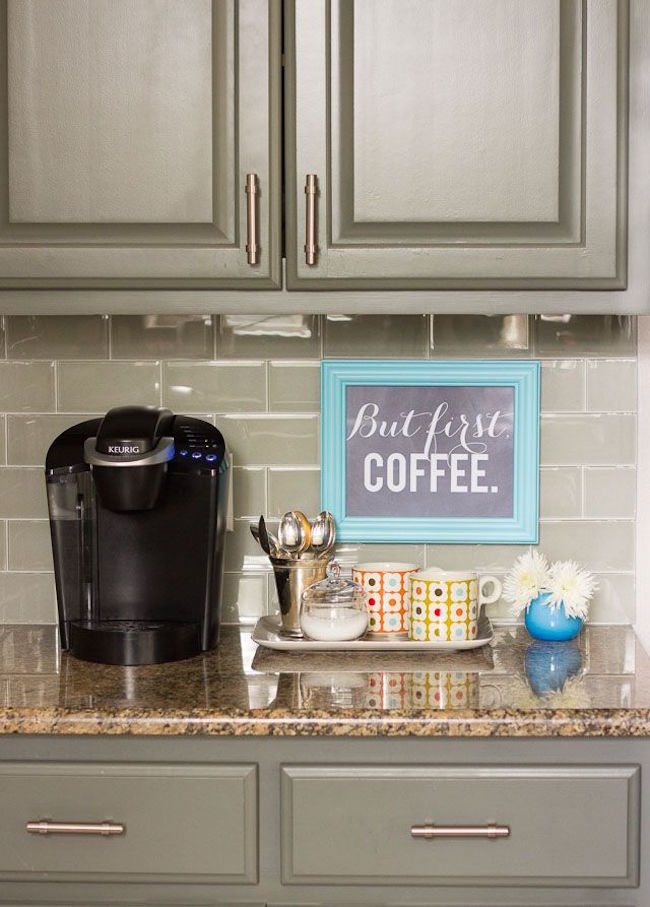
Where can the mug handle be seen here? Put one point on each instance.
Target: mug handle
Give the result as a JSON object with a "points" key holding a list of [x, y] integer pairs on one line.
{"points": [[484, 599]]}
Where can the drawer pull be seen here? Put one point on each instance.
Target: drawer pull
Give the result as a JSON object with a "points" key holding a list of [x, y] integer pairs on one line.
{"points": [[251, 217], [490, 831], [43, 827]]}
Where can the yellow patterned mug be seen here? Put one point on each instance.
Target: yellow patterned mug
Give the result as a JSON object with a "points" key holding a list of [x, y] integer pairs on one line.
{"points": [[445, 605], [445, 690]]}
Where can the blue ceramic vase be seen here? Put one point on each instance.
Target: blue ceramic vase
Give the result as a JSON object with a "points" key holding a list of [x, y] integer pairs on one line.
{"points": [[550, 624]]}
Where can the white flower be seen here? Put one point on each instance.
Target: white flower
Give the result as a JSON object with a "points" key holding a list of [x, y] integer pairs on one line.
{"points": [[526, 579], [392, 580], [371, 581], [418, 590], [438, 612], [572, 586], [392, 602], [459, 591]]}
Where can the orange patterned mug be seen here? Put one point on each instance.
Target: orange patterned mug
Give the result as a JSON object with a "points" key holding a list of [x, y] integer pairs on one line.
{"points": [[387, 595], [445, 605], [423, 690]]}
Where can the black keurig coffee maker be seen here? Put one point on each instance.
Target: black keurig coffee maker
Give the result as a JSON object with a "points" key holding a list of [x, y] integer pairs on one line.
{"points": [[138, 504]]}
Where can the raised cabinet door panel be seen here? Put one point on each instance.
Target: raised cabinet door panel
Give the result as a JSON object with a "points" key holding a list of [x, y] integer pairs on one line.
{"points": [[565, 826], [127, 133], [172, 822], [458, 145]]}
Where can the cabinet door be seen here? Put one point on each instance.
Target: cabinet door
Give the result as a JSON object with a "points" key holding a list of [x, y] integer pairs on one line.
{"points": [[127, 133], [458, 145]]}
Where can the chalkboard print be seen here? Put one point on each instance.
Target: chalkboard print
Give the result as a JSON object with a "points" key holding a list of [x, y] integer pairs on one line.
{"points": [[431, 451]]}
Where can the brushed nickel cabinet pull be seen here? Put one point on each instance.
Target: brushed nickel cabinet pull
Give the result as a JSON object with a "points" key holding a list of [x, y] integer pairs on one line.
{"points": [[251, 211], [490, 831], [43, 827], [311, 190]]}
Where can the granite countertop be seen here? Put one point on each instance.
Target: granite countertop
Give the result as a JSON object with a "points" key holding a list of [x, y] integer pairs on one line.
{"points": [[598, 685]]}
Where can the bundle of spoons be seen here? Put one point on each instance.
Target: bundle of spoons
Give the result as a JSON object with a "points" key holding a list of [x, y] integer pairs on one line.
{"points": [[298, 538]]}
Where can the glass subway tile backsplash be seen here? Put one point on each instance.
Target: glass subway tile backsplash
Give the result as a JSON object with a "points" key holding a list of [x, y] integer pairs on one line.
{"points": [[258, 378]]}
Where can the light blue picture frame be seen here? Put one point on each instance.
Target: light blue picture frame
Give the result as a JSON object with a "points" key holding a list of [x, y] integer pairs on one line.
{"points": [[523, 376]]}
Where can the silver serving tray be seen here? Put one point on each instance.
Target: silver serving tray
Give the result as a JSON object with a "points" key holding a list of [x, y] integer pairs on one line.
{"points": [[267, 633]]}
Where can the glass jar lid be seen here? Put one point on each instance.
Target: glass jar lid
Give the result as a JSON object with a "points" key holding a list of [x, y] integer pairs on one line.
{"points": [[334, 590]]}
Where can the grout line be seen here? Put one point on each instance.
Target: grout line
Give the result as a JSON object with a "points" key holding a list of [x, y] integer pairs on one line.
{"points": [[583, 488], [281, 467], [529, 336], [592, 519], [533, 346], [588, 415], [56, 385], [110, 337], [29, 572], [263, 414]]}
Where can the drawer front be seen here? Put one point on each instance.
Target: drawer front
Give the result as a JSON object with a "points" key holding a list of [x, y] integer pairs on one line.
{"points": [[569, 826], [179, 820]]}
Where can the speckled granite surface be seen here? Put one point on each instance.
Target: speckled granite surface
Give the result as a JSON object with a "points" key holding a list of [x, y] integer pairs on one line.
{"points": [[596, 686]]}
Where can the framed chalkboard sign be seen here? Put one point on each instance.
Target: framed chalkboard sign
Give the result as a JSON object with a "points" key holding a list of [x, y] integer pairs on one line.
{"points": [[438, 451]]}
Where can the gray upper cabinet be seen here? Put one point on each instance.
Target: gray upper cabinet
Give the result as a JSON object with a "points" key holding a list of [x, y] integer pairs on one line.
{"points": [[457, 145], [128, 131]]}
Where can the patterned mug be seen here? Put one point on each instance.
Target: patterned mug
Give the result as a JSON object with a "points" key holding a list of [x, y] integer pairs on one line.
{"points": [[388, 690], [387, 596], [444, 690], [445, 605]]}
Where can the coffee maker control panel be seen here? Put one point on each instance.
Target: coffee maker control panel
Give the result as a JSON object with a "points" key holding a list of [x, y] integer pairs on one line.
{"points": [[197, 444]]}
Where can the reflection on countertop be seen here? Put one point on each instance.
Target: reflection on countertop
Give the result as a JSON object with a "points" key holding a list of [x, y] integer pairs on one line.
{"points": [[597, 685]]}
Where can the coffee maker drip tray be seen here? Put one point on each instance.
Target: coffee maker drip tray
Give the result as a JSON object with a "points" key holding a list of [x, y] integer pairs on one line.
{"points": [[134, 642]]}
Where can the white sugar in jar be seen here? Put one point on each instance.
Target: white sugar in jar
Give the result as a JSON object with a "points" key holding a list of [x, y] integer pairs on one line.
{"points": [[334, 624], [334, 609]]}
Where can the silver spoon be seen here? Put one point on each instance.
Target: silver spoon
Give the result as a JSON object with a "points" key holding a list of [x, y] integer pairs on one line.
{"points": [[275, 548], [262, 536], [294, 532], [266, 540], [323, 534]]}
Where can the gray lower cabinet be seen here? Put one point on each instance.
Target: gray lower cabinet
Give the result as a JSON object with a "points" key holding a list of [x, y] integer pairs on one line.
{"points": [[127, 131], [173, 822], [353, 824], [324, 822], [457, 145]]}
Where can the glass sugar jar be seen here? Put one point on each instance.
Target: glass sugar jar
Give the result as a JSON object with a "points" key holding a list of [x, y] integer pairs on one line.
{"points": [[334, 609]]}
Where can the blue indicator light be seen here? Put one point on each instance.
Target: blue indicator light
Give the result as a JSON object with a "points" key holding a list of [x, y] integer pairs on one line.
{"points": [[182, 453], [210, 457], [196, 455]]}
